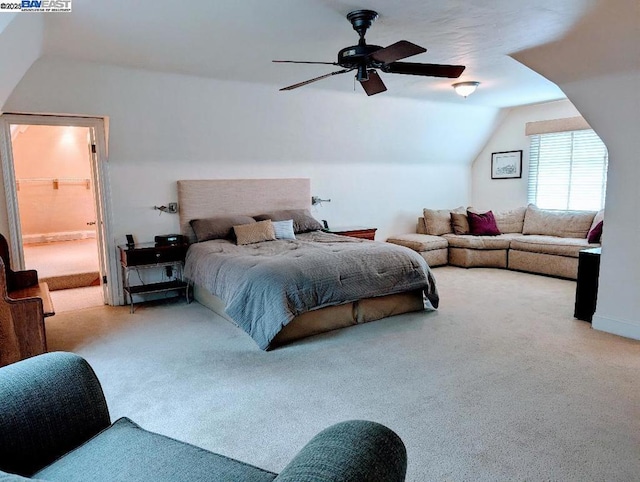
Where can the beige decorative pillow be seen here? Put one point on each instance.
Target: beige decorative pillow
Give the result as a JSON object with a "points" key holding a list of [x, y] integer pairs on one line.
{"points": [[438, 221], [254, 233], [459, 223], [421, 227]]}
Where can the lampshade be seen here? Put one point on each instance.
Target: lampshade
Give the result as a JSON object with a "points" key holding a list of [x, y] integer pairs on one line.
{"points": [[465, 88]]}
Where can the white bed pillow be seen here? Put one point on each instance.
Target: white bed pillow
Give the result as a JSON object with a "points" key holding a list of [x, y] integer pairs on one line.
{"points": [[284, 229]]}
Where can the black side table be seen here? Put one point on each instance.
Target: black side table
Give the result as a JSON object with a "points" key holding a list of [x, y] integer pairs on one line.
{"points": [[587, 285], [153, 255]]}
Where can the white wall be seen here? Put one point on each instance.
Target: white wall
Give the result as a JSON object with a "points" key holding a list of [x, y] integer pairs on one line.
{"points": [[21, 40], [380, 159], [611, 104], [502, 194]]}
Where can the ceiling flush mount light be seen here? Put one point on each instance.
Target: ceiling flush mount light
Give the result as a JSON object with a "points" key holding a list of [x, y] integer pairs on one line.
{"points": [[465, 89]]}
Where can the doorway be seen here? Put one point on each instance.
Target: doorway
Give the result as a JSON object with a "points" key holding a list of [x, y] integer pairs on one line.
{"points": [[52, 165], [55, 202]]}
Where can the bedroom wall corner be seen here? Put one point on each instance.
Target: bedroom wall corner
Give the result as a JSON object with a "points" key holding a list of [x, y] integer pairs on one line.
{"points": [[501, 194]]}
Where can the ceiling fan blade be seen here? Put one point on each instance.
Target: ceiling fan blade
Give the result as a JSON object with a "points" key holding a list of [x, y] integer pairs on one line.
{"points": [[397, 51], [430, 70], [374, 85], [300, 84], [302, 62]]}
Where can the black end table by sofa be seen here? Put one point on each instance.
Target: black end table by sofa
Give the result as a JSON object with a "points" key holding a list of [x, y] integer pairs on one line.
{"points": [[587, 285]]}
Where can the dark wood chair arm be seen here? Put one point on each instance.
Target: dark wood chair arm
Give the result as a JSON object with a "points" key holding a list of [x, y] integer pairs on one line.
{"points": [[40, 290], [24, 279]]}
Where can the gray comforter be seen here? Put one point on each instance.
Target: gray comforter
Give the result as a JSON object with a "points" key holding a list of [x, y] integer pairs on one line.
{"points": [[265, 285]]}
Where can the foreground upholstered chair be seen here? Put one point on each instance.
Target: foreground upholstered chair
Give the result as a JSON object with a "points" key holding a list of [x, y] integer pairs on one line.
{"points": [[55, 425]]}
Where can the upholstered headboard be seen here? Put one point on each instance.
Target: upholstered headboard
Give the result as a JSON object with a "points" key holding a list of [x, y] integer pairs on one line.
{"points": [[205, 198]]}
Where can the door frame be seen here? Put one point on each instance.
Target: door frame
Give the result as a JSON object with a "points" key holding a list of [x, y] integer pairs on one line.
{"points": [[101, 184]]}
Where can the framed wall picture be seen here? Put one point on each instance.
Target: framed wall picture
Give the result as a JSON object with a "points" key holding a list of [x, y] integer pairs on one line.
{"points": [[506, 165]]}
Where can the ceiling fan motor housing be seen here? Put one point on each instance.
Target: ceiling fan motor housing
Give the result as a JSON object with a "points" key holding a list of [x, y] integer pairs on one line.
{"points": [[352, 57]]}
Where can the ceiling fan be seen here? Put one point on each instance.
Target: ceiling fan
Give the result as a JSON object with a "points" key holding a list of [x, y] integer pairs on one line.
{"points": [[365, 59]]}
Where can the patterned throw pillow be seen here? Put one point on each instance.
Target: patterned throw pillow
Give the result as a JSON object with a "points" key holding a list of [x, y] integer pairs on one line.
{"points": [[482, 224], [254, 233], [284, 229]]}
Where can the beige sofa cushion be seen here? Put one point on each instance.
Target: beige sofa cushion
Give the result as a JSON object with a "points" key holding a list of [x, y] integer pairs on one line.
{"points": [[478, 242], [438, 221], [419, 242], [511, 221], [550, 245], [565, 224]]}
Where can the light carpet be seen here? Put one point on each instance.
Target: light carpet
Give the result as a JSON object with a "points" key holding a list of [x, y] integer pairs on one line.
{"points": [[77, 298], [501, 383], [65, 264]]}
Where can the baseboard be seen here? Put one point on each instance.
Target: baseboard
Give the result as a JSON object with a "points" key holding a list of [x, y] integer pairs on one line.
{"points": [[624, 328], [60, 236]]}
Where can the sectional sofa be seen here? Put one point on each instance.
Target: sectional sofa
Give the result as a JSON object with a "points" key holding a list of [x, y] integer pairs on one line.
{"points": [[528, 239]]}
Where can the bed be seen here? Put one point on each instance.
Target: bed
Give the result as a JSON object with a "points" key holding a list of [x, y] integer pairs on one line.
{"points": [[283, 290]]}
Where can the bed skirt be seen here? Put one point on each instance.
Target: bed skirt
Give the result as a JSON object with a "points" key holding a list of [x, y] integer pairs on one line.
{"points": [[330, 318]]}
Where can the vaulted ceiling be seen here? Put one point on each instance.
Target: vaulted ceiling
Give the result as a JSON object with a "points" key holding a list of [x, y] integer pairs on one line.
{"points": [[236, 40]]}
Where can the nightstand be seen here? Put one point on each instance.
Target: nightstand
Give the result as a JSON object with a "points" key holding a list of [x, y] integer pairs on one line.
{"points": [[151, 255], [355, 232]]}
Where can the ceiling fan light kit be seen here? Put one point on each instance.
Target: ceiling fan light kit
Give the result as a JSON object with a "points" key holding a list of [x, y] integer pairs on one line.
{"points": [[465, 89], [367, 59]]}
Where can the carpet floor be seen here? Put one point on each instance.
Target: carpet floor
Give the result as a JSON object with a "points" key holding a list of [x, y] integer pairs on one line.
{"points": [[65, 264], [72, 299], [501, 383]]}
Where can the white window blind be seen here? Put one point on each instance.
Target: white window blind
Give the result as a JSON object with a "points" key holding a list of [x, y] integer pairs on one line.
{"points": [[568, 170]]}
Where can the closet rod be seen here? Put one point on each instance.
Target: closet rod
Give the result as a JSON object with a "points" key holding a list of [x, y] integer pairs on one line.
{"points": [[55, 181]]}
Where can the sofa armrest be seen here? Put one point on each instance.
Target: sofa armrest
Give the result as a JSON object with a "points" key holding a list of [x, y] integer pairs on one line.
{"points": [[350, 451], [49, 404]]}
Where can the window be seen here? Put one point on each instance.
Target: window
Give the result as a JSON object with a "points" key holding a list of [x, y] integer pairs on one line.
{"points": [[568, 170]]}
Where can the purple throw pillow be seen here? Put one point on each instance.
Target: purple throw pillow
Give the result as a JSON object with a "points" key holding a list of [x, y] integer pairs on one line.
{"points": [[595, 234], [482, 224]]}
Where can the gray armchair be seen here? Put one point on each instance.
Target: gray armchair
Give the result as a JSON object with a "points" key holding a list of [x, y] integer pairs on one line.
{"points": [[55, 425]]}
